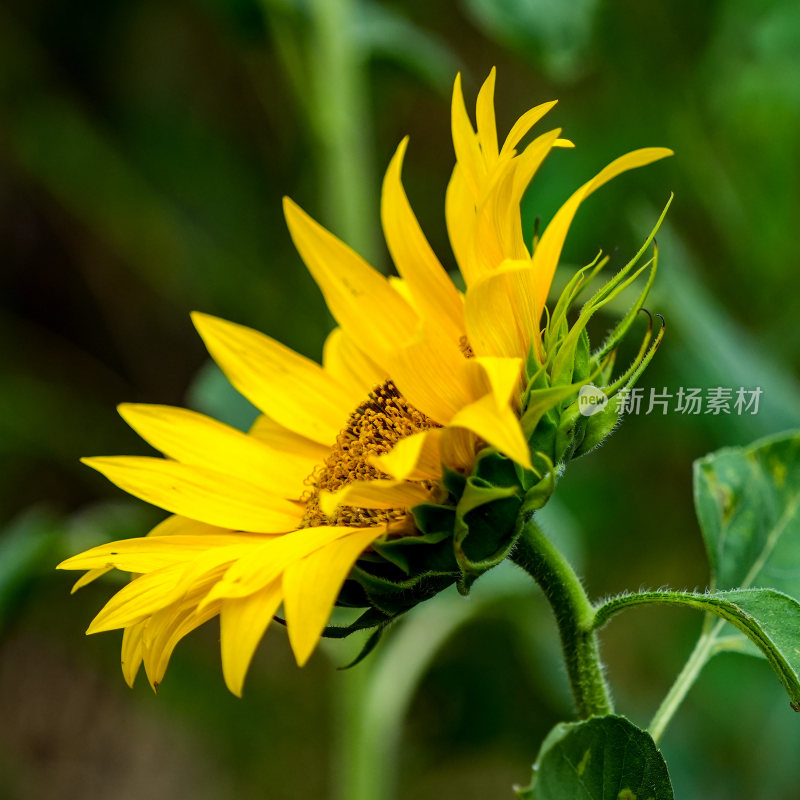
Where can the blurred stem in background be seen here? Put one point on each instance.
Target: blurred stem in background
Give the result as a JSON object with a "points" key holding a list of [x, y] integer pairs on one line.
{"points": [[342, 125], [373, 699], [335, 65], [325, 61]]}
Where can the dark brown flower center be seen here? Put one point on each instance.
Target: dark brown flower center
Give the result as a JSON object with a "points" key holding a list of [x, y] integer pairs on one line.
{"points": [[374, 428]]}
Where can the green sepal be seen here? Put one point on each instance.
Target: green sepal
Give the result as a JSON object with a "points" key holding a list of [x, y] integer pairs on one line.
{"points": [[453, 481], [425, 552], [599, 427], [371, 618], [583, 365], [392, 594], [367, 648], [537, 495], [486, 516], [570, 433], [543, 438]]}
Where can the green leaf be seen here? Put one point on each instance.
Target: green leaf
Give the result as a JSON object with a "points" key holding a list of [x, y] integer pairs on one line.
{"points": [[603, 758], [748, 504], [768, 618], [26, 551], [555, 36], [385, 32]]}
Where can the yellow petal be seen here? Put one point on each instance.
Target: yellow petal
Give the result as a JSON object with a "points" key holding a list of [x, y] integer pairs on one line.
{"points": [[243, 622], [416, 457], [433, 292], [487, 124], [458, 448], [350, 365], [378, 493], [548, 251], [492, 417], [312, 584], [493, 217], [429, 374], [85, 580], [459, 211], [175, 525], [465, 143], [200, 494], [524, 124], [266, 563], [526, 165], [502, 318], [198, 440], [147, 594], [498, 229], [138, 599], [280, 438], [360, 299], [149, 553], [498, 426], [169, 625], [131, 657], [501, 377], [291, 389]]}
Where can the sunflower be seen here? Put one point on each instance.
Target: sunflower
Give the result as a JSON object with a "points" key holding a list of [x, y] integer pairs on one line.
{"points": [[436, 412]]}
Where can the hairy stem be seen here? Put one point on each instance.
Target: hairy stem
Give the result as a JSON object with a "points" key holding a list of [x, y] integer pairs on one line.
{"points": [[537, 555]]}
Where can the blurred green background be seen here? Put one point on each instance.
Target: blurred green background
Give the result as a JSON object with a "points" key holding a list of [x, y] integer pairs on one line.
{"points": [[144, 149]]}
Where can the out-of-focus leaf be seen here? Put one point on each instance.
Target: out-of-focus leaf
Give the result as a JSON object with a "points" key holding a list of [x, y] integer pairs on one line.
{"points": [[384, 32], [603, 758], [748, 504], [26, 548], [554, 34], [57, 144]]}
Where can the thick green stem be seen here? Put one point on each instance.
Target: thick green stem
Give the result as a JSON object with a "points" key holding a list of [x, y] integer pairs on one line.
{"points": [[537, 555]]}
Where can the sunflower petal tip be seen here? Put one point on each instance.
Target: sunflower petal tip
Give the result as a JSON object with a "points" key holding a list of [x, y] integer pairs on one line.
{"points": [[302, 653], [291, 210], [396, 164], [328, 502], [201, 320], [234, 684]]}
